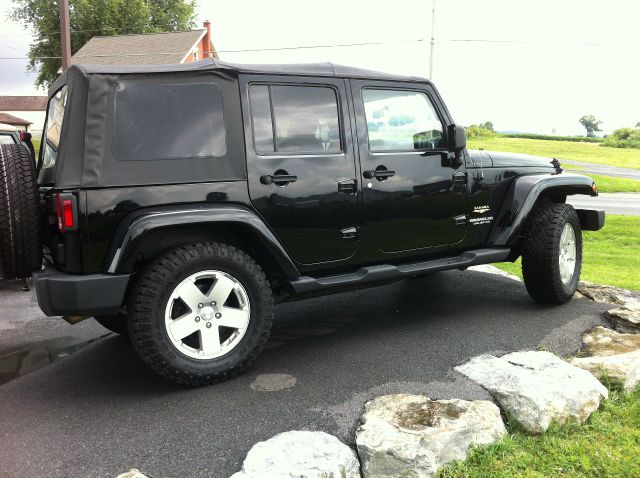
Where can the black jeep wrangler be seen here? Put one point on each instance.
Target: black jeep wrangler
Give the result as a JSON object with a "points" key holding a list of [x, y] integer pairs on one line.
{"points": [[178, 203]]}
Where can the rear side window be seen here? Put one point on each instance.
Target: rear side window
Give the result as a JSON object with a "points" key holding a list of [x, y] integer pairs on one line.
{"points": [[154, 121], [401, 120], [53, 128], [295, 119]]}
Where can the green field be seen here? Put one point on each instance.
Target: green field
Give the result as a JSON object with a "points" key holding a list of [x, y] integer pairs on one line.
{"points": [[610, 255], [587, 152], [608, 184], [607, 445]]}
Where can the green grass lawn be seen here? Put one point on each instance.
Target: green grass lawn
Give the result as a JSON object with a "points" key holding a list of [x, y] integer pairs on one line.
{"points": [[607, 445], [610, 255], [607, 184], [587, 152]]}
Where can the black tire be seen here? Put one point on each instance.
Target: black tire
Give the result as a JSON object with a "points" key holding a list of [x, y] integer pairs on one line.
{"points": [[151, 293], [115, 323], [541, 252], [20, 226]]}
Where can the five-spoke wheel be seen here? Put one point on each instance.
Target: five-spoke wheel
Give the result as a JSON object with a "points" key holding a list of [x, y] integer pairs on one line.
{"points": [[208, 314]]}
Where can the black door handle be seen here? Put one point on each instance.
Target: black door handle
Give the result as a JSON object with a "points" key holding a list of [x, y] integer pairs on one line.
{"points": [[380, 173], [279, 178]]}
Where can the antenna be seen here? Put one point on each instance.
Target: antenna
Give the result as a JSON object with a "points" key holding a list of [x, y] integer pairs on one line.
{"points": [[433, 38]]}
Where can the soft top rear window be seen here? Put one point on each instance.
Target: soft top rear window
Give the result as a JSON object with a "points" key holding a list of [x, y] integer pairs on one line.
{"points": [[53, 128], [161, 120]]}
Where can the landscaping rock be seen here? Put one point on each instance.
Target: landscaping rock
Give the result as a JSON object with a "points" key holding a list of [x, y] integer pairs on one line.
{"points": [[133, 473], [611, 355], [624, 319], [300, 454], [602, 342], [537, 388], [608, 294], [412, 436], [623, 369]]}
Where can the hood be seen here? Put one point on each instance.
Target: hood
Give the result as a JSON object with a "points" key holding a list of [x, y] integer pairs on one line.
{"points": [[501, 160]]}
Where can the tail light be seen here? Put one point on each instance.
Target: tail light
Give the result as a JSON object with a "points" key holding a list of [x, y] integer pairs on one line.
{"points": [[67, 212]]}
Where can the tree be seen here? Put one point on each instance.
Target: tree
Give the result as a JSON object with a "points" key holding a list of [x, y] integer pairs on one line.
{"points": [[90, 18], [488, 125], [591, 124], [637, 125]]}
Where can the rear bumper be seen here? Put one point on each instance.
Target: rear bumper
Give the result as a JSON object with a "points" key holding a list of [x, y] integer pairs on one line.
{"points": [[88, 295], [591, 219]]}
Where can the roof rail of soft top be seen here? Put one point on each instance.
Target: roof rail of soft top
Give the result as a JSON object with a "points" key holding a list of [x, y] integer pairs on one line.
{"points": [[302, 69]]}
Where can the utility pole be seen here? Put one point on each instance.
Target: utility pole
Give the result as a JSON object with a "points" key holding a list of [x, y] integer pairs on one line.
{"points": [[65, 34], [433, 38]]}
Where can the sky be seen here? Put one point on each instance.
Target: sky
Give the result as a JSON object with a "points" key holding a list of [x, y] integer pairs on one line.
{"points": [[531, 66]]}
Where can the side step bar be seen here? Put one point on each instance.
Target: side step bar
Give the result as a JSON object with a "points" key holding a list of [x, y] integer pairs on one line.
{"points": [[385, 272]]}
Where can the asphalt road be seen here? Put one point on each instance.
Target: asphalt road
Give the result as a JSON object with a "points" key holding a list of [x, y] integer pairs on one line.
{"points": [[613, 203], [604, 169], [100, 411]]}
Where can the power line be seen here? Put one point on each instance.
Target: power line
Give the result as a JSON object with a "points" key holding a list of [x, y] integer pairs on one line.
{"points": [[521, 42], [301, 47]]}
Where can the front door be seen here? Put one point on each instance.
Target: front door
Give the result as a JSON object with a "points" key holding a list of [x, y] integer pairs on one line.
{"points": [[301, 164], [412, 197]]}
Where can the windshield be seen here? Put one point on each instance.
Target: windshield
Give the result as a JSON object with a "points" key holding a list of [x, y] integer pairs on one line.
{"points": [[55, 116]]}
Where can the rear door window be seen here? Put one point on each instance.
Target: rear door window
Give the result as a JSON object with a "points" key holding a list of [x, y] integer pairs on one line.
{"points": [[53, 128], [294, 119], [156, 121]]}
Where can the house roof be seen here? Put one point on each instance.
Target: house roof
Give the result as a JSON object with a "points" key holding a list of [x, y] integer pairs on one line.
{"points": [[6, 118], [23, 103], [143, 49]]}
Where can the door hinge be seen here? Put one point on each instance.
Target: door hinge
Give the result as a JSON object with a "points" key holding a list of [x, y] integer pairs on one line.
{"points": [[349, 233]]}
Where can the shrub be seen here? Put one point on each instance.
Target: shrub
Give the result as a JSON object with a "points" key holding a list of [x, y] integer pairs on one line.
{"points": [[475, 131], [623, 138], [577, 139]]}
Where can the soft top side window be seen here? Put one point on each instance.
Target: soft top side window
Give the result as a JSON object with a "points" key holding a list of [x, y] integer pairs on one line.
{"points": [[53, 127], [163, 120], [401, 120], [295, 119]]}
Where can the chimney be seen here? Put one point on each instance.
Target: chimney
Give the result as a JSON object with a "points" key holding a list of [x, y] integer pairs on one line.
{"points": [[206, 41]]}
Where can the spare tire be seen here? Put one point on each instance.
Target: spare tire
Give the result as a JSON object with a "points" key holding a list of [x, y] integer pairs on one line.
{"points": [[20, 226]]}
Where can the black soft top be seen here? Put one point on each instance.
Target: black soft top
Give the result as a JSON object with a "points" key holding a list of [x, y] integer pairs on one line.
{"points": [[326, 69], [86, 153]]}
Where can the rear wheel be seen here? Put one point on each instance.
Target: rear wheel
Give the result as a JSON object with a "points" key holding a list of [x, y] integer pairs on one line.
{"points": [[200, 313], [552, 253], [20, 237]]}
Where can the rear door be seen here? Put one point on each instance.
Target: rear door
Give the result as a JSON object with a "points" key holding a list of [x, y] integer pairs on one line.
{"points": [[412, 197], [300, 162]]}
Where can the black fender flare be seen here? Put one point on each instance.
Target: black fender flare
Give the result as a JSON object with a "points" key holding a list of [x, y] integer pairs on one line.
{"points": [[522, 196], [135, 227]]}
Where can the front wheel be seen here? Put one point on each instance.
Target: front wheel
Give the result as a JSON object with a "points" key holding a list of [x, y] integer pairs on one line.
{"points": [[552, 253], [200, 313]]}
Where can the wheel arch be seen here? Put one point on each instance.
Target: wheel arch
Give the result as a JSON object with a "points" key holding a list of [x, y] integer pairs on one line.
{"points": [[525, 193], [147, 233]]}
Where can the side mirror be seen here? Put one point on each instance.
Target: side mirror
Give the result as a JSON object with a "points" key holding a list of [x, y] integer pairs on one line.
{"points": [[457, 138]]}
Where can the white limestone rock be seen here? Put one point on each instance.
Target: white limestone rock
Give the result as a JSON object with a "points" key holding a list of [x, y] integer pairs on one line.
{"points": [[537, 388], [608, 294], [412, 436], [625, 319], [610, 354], [300, 454], [622, 368]]}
